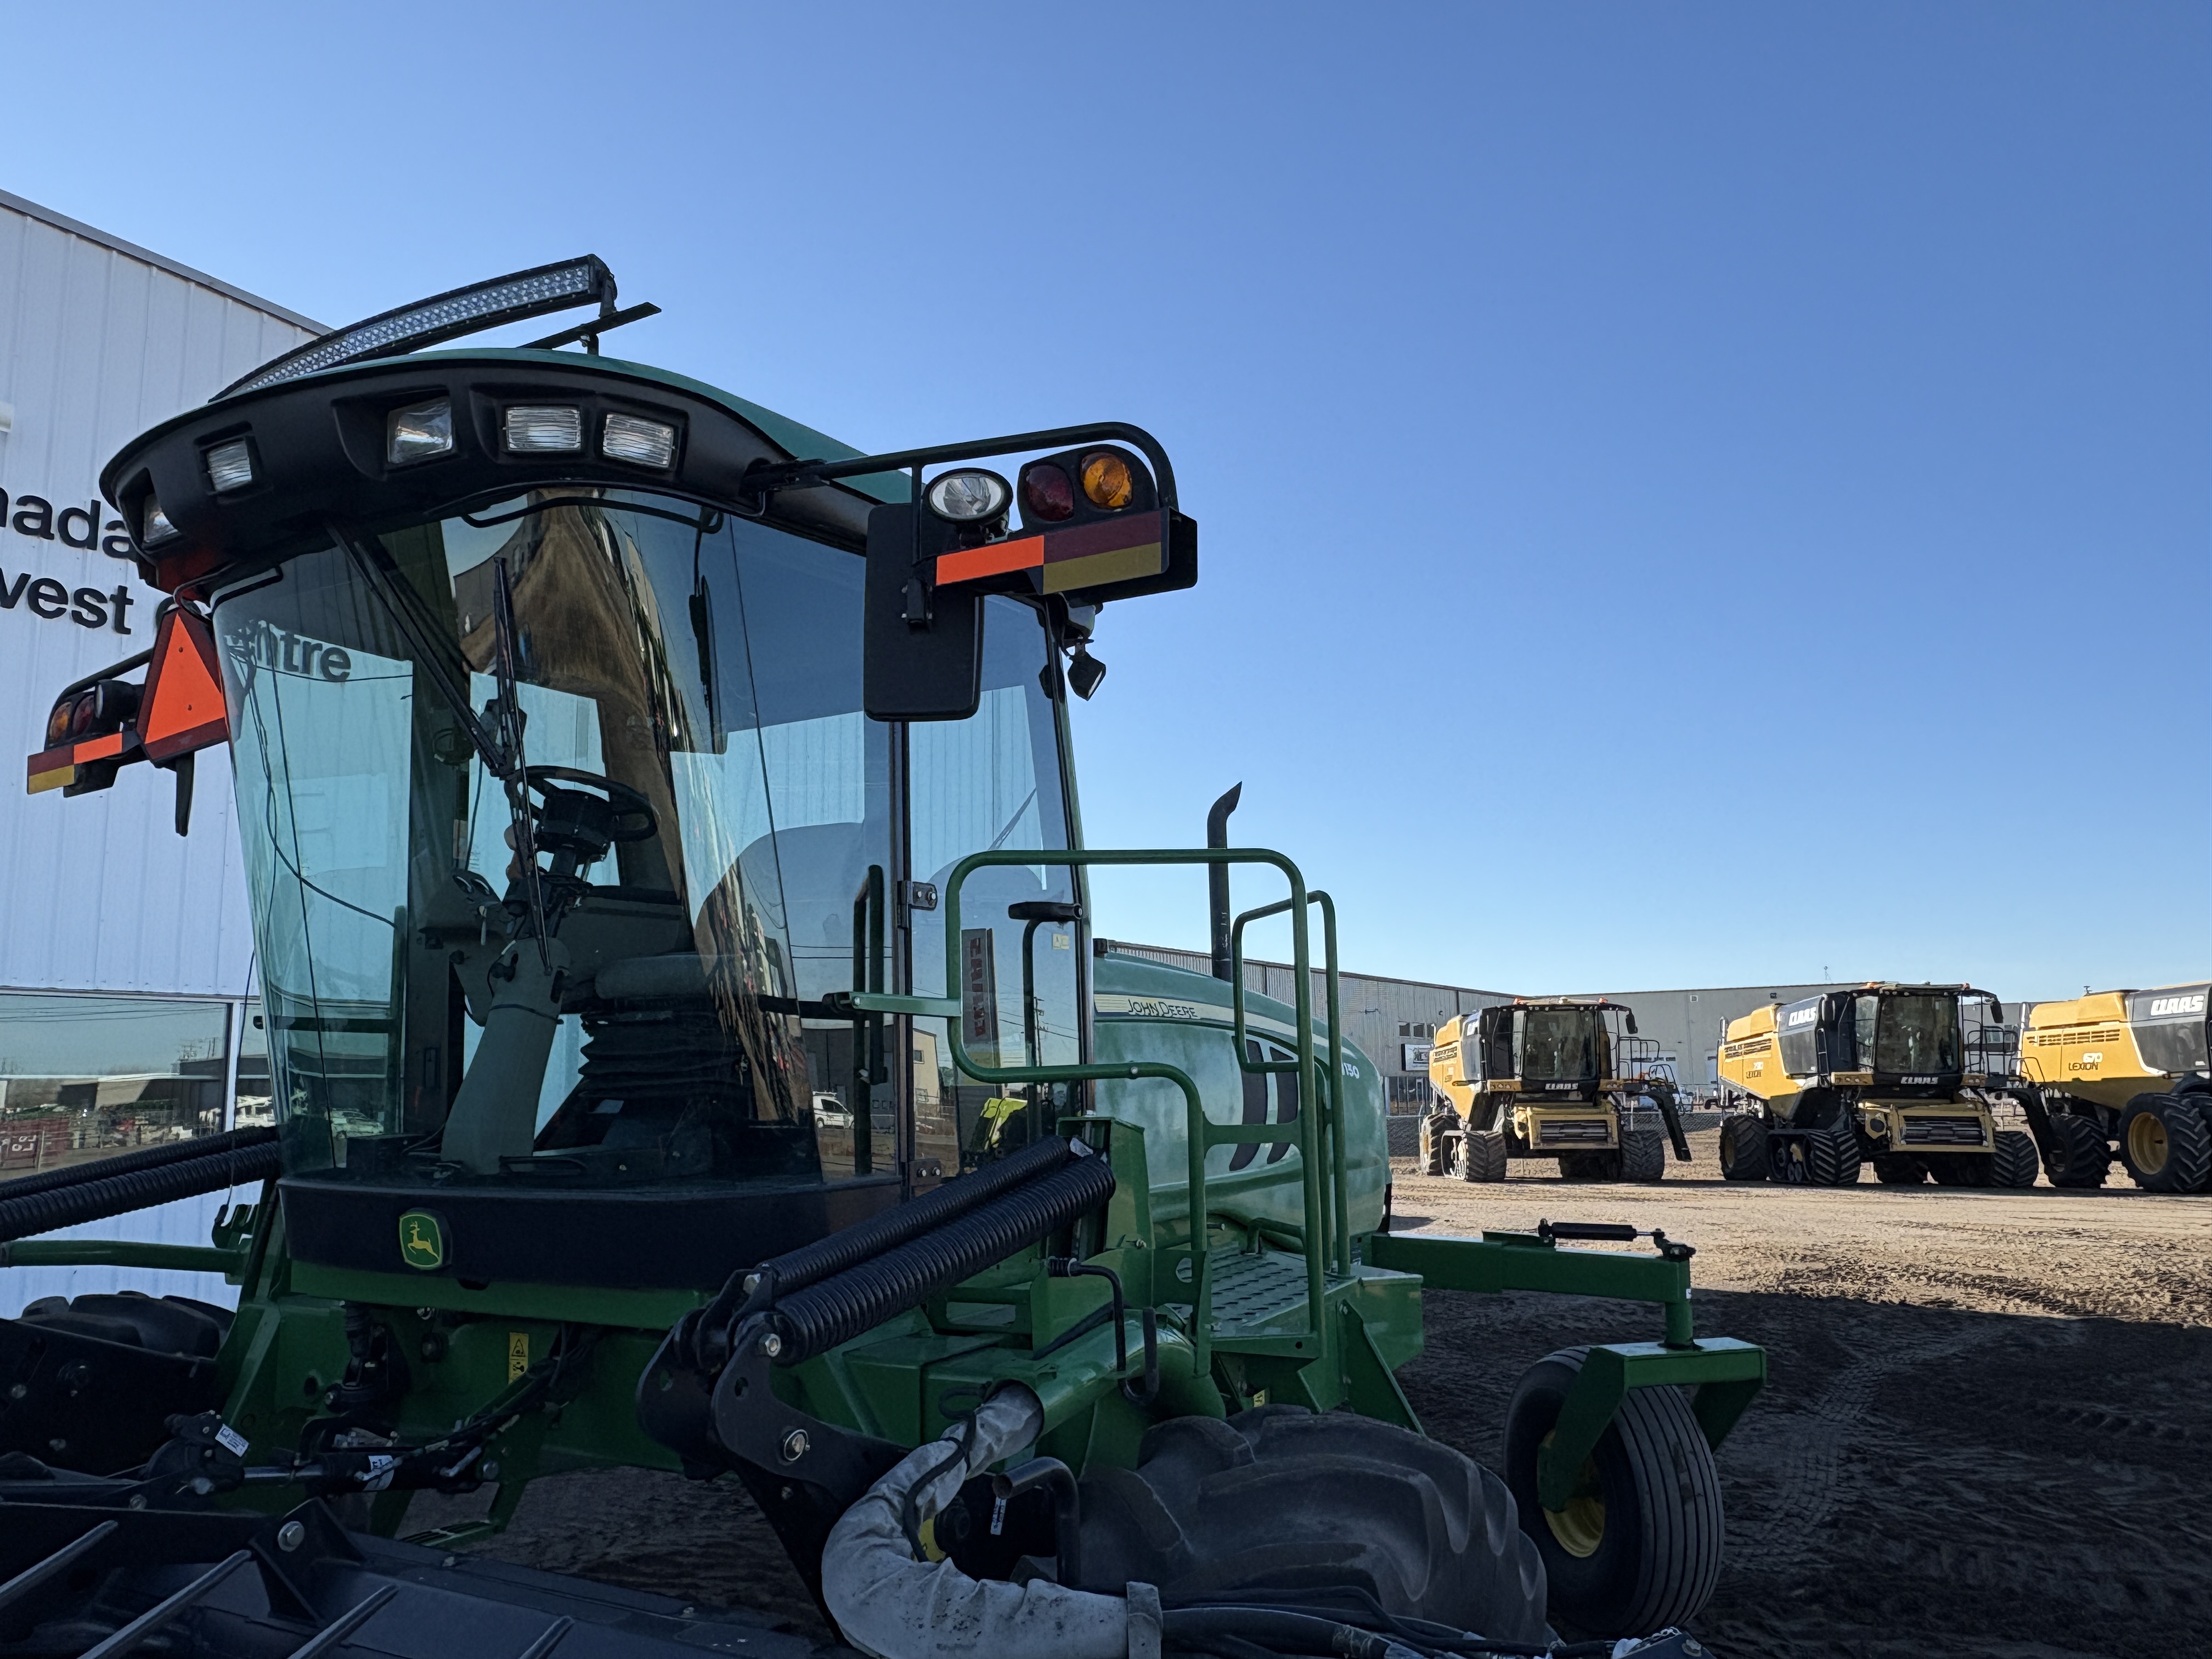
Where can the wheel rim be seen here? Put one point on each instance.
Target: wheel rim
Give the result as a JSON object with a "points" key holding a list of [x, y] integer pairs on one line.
{"points": [[2147, 1148], [1579, 1529]]}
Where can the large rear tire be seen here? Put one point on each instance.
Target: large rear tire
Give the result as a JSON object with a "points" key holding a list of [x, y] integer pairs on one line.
{"points": [[1643, 1154], [1831, 1157], [2166, 1144], [2015, 1163], [1481, 1155], [1281, 1499], [1639, 1546], [1743, 1148], [1436, 1145], [2080, 1155]]}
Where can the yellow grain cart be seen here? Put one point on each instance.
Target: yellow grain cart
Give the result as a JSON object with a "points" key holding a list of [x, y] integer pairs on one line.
{"points": [[1562, 1077], [1873, 1075], [2124, 1070]]}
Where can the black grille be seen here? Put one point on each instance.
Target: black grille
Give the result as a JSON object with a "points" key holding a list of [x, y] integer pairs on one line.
{"points": [[1574, 1132], [1943, 1131]]}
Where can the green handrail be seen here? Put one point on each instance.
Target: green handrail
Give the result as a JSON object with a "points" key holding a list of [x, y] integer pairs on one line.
{"points": [[1203, 1135], [1329, 1101]]}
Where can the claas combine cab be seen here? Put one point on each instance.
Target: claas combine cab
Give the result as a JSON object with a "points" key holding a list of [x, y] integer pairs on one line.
{"points": [[1565, 1077], [2123, 1072], [689, 1053], [1875, 1075]]}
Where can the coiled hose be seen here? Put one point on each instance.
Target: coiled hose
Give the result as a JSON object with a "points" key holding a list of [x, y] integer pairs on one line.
{"points": [[809, 1264], [838, 1308], [96, 1197]]}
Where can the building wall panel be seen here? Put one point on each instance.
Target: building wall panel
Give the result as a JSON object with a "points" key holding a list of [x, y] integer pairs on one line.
{"points": [[96, 345], [99, 340]]}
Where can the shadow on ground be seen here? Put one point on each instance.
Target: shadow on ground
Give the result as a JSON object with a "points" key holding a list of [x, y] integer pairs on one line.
{"points": [[1914, 1480]]}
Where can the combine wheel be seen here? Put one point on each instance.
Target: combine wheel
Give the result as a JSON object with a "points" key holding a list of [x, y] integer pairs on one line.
{"points": [[1436, 1145], [2165, 1143], [2078, 1154], [1899, 1169], [1639, 1544], [1481, 1155], [2014, 1161], [1643, 1154], [1743, 1148], [1831, 1157], [1280, 1500]]}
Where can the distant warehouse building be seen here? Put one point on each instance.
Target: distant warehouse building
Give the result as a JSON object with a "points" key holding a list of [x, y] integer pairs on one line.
{"points": [[126, 953], [1394, 1021]]}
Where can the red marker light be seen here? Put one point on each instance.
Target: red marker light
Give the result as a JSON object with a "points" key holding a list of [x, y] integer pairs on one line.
{"points": [[1047, 493]]}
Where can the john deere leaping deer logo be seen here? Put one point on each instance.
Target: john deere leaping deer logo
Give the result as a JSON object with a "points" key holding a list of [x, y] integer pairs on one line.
{"points": [[422, 1240]]}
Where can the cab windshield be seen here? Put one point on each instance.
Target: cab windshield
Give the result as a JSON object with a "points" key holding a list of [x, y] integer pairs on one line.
{"points": [[706, 670], [1559, 1045], [1916, 1034]]}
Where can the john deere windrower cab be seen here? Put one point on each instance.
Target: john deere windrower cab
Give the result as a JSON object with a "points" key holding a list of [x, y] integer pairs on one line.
{"points": [[651, 809], [1564, 1078], [1889, 1074]]}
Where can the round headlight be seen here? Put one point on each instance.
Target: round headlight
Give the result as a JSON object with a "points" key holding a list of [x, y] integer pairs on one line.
{"points": [[968, 496], [1047, 496], [1107, 480]]}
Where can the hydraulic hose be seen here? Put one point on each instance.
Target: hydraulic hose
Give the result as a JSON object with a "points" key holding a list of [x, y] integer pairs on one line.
{"points": [[100, 1197], [888, 1604], [839, 1308], [147, 1157]]}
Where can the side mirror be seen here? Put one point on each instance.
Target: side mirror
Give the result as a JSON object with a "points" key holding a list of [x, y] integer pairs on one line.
{"points": [[1996, 1012], [1632, 1021], [923, 644]]}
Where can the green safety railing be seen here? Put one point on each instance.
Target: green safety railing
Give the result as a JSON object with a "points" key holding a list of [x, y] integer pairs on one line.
{"points": [[1318, 1133]]}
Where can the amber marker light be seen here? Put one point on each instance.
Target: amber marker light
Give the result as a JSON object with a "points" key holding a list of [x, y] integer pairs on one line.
{"points": [[1107, 481]]}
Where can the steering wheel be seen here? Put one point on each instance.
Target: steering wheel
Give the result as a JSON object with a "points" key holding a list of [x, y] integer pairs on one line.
{"points": [[581, 826]]}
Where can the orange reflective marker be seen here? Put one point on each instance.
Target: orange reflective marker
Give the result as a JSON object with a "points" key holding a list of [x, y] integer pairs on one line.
{"points": [[183, 709], [1133, 548], [56, 768]]}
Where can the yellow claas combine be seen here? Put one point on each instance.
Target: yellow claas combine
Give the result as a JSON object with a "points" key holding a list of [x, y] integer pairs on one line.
{"points": [[1876, 1074], [1559, 1077], [2124, 1069]]}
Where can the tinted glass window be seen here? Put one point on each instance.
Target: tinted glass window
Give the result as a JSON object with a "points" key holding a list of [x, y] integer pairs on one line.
{"points": [[1917, 1034], [86, 1077]]}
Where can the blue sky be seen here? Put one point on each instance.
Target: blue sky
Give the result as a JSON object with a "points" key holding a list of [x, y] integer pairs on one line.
{"points": [[1691, 494]]}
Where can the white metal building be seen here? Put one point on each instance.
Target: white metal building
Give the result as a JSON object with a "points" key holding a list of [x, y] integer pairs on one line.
{"points": [[125, 952]]}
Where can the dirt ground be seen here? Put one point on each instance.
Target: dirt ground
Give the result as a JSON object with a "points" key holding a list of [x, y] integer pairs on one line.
{"points": [[1988, 1433]]}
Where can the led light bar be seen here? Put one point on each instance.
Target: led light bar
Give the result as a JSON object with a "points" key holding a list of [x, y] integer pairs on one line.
{"points": [[443, 316]]}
